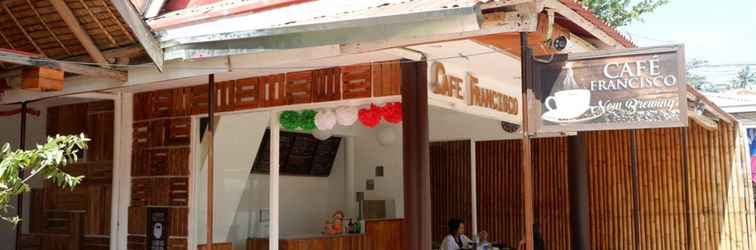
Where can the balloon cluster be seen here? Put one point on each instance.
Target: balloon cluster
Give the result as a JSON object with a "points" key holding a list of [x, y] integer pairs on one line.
{"points": [[293, 120], [327, 119], [371, 116]]}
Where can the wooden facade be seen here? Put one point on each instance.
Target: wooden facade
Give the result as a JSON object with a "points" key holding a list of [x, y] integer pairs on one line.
{"points": [[162, 128], [63, 219], [719, 213]]}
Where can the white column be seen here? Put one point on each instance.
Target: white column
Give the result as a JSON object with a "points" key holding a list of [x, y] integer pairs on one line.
{"points": [[117, 165], [122, 169], [473, 188], [351, 200], [275, 134]]}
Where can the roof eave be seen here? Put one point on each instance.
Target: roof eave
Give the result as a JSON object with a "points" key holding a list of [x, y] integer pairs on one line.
{"points": [[452, 20]]}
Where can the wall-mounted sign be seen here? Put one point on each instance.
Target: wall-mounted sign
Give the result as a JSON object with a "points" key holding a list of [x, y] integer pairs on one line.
{"points": [[157, 228], [465, 91], [621, 89]]}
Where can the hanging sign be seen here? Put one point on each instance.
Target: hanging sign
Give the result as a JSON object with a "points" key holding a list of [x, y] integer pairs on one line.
{"points": [[157, 228], [620, 89], [465, 91]]}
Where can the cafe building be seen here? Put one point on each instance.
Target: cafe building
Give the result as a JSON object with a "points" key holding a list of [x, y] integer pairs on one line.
{"points": [[326, 125]]}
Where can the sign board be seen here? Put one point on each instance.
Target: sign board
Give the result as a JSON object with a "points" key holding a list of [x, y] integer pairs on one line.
{"points": [[619, 89], [157, 228], [456, 88]]}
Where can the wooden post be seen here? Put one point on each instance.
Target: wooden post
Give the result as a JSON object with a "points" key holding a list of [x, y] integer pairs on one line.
{"points": [[527, 168], [636, 196], [210, 151], [686, 187], [578, 189], [20, 198], [416, 167]]}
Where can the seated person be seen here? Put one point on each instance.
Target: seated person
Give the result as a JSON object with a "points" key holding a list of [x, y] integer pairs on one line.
{"points": [[456, 238], [484, 243]]}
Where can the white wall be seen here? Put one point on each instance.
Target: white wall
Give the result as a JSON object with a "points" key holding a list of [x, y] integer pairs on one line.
{"points": [[370, 154]]}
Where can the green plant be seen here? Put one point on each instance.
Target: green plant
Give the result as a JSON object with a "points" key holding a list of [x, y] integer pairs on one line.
{"points": [[619, 13], [47, 161]]}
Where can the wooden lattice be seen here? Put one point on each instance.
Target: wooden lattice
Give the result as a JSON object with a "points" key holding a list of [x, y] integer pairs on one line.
{"points": [[247, 93], [326, 85], [225, 96], [160, 103], [181, 101], [198, 98], [299, 87], [178, 132], [387, 79], [272, 90], [356, 81], [179, 191]]}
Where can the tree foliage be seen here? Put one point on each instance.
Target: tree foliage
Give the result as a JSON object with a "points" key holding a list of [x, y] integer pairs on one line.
{"points": [[618, 13], [47, 161], [743, 78], [694, 79]]}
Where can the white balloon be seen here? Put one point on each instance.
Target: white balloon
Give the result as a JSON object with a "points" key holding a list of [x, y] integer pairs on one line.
{"points": [[346, 116], [325, 120], [386, 135], [322, 135]]}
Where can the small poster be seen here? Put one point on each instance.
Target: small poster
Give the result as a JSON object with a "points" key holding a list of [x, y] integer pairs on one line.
{"points": [[618, 89], [157, 228]]}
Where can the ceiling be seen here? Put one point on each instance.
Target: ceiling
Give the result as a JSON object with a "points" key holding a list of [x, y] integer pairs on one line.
{"points": [[38, 27]]}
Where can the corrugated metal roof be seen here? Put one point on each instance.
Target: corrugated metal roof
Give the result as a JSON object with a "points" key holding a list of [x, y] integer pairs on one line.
{"points": [[315, 12], [297, 10]]}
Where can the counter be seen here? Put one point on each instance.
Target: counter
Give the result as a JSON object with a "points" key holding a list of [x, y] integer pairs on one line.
{"points": [[379, 234]]}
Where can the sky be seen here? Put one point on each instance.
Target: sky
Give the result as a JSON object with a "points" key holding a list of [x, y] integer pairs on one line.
{"points": [[719, 31]]}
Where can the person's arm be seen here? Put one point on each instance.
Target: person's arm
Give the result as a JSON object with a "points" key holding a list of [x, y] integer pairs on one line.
{"points": [[448, 243]]}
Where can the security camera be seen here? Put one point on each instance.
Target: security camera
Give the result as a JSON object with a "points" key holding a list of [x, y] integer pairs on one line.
{"points": [[561, 43], [509, 127]]}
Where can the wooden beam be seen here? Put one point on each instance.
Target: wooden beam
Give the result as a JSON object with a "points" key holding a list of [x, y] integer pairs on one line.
{"points": [[153, 8], [142, 32], [68, 17], [28, 59]]}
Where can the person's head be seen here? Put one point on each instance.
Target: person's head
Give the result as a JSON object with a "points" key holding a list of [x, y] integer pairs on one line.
{"points": [[456, 227], [483, 236]]}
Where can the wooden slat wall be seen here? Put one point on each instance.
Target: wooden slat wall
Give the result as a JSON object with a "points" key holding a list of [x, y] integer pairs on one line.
{"points": [[499, 185], [610, 188], [78, 218], [450, 185], [552, 199], [720, 192]]}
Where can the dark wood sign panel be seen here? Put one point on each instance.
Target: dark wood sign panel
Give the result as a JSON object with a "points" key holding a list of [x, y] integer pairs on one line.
{"points": [[157, 228], [620, 89]]}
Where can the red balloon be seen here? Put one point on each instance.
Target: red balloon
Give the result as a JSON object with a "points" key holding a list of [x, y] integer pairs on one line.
{"points": [[370, 117], [392, 112]]}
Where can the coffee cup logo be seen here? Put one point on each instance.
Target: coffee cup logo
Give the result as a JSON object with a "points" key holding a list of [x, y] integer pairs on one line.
{"points": [[569, 104]]}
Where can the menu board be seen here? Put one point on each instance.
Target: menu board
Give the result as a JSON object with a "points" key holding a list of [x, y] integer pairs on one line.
{"points": [[619, 89]]}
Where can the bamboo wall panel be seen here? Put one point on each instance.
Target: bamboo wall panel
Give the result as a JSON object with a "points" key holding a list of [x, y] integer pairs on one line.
{"points": [[720, 193], [552, 199], [610, 190], [499, 185], [450, 185], [499, 189]]}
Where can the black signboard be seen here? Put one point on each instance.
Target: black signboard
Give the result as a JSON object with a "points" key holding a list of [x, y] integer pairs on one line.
{"points": [[617, 89], [157, 228]]}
